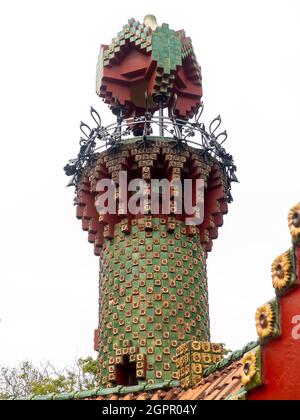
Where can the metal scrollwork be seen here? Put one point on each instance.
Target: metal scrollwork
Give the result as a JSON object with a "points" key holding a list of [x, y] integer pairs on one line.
{"points": [[182, 131]]}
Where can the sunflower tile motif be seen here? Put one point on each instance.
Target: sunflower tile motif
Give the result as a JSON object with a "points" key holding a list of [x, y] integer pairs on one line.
{"points": [[191, 360], [294, 223], [251, 375], [267, 320], [283, 272]]}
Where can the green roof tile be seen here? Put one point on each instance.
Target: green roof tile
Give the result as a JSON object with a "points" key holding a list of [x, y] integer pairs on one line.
{"points": [[158, 385], [132, 389], [109, 391]]}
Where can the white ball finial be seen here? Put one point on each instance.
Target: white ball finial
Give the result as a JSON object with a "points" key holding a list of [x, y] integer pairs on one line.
{"points": [[150, 20]]}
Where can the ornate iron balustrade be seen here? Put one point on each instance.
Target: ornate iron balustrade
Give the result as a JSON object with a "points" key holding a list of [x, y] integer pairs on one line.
{"points": [[182, 132]]}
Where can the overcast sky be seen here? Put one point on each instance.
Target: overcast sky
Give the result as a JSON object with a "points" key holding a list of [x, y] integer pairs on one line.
{"points": [[250, 57]]}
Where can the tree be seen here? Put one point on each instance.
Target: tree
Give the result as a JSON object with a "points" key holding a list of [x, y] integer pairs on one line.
{"points": [[27, 380]]}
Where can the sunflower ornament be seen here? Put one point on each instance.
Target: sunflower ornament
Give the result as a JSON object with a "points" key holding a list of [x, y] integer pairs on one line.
{"points": [[294, 223], [197, 368], [207, 358], [249, 368], [281, 271], [265, 321], [217, 348], [251, 373], [196, 357]]}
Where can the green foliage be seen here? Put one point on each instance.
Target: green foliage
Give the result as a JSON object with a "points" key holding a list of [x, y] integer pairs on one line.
{"points": [[27, 380]]}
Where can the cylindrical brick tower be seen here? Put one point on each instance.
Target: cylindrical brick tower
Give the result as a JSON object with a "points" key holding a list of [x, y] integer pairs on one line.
{"points": [[153, 294]]}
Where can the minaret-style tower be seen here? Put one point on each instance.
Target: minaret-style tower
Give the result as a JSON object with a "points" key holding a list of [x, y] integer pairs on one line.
{"points": [[153, 294]]}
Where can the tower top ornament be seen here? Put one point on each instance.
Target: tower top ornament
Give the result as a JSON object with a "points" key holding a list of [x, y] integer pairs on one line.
{"points": [[147, 65], [150, 20]]}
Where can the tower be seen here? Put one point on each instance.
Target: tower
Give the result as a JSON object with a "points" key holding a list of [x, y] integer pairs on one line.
{"points": [[153, 293]]}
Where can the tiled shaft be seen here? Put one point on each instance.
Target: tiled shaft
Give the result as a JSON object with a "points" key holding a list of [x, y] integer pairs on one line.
{"points": [[153, 297]]}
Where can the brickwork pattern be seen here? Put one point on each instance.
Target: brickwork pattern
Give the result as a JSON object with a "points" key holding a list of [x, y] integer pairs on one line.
{"points": [[153, 297]]}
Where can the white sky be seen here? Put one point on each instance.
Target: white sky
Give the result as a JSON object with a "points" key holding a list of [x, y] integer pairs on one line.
{"points": [[250, 57]]}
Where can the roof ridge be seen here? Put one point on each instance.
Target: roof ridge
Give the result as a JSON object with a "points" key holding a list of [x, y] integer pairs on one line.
{"points": [[101, 392], [133, 389], [232, 357]]}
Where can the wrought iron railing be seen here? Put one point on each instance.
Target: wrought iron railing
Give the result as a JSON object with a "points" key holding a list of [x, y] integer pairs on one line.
{"points": [[179, 131]]}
